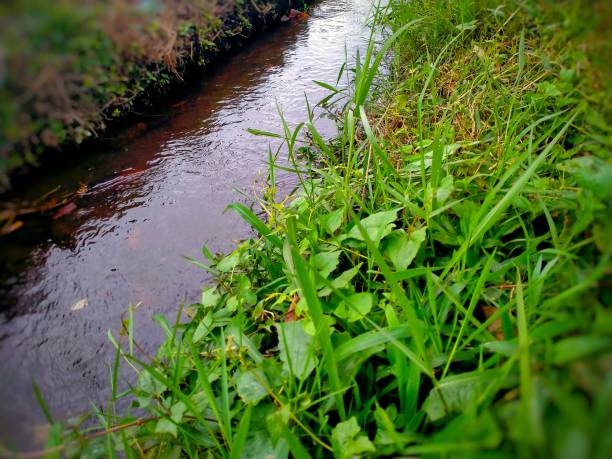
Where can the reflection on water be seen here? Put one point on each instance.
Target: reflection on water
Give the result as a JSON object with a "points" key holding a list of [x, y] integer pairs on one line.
{"points": [[156, 195]]}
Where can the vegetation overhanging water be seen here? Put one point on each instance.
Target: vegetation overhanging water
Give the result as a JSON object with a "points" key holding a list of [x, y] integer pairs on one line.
{"points": [[436, 287]]}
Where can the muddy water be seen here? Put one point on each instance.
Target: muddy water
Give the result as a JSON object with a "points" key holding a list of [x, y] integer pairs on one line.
{"points": [[156, 194]]}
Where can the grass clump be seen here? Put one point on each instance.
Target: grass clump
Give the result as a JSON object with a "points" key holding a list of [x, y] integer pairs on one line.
{"points": [[437, 286]]}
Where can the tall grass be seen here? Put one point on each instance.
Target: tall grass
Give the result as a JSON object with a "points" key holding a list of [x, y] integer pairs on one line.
{"points": [[437, 286]]}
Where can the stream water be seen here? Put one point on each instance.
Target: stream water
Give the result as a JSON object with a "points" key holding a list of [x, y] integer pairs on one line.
{"points": [[154, 193]]}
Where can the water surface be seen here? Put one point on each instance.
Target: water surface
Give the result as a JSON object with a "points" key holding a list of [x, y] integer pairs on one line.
{"points": [[154, 195]]}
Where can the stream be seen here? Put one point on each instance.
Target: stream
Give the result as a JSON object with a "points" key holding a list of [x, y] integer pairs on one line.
{"points": [[154, 193]]}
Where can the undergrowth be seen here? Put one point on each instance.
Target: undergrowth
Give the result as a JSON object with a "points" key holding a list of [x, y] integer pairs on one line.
{"points": [[438, 285]]}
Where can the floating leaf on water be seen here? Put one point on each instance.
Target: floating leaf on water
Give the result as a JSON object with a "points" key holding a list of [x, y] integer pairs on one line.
{"points": [[79, 305], [65, 210]]}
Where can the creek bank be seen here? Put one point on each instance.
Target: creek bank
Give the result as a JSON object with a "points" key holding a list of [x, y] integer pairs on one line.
{"points": [[99, 66], [417, 296]]}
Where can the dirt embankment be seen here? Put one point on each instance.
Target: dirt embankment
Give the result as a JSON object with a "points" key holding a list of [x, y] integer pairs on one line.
{"points": [[69, 68]]}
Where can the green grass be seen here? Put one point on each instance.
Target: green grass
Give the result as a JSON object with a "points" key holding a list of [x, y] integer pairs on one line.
{"points": [[439, 284]]}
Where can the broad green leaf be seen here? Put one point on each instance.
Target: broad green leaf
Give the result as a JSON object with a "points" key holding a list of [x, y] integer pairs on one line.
{"points": [[355, 307], [456, 393], [169, 425], [445, 189], [347, 441], [296, 349], [401, 248], [229, 262], [326, 262], [592, 173], [342, 281], [203, 328], [481, 431], [210, 297], [578, 347], [259, 445], [332, 221], [377, 226], [249, 386]]}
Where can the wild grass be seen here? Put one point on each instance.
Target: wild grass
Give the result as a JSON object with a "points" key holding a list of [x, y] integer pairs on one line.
{"points": [[438, 286]]}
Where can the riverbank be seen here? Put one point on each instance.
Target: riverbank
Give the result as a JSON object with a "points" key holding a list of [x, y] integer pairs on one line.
{"points": [[439, 285], [182, 163], [69, 70]]}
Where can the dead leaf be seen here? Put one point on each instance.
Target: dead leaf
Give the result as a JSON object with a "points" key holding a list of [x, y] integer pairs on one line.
{"points": [[9, 228], [496, 327], [291, 316], [79, 305]]}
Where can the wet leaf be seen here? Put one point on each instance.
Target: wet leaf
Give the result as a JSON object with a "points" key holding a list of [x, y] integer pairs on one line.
{"points": [[445, 189], [64, 210], [332, 221], [79, 305], [210, 297], [229, 262]]}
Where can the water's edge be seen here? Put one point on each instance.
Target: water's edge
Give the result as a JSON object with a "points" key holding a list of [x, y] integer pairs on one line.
{"points": [[154, 193], [154, 93]]}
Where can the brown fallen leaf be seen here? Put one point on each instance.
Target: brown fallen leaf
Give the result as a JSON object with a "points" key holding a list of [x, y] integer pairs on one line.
{"points": [[10, 227], [496, 326], [291, 316]]}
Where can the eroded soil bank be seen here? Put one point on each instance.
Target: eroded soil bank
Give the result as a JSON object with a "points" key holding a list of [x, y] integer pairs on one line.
{"points": [[68, 69]]}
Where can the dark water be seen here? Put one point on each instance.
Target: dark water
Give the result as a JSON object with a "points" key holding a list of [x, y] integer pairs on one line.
{"points": [[156, 194]]}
